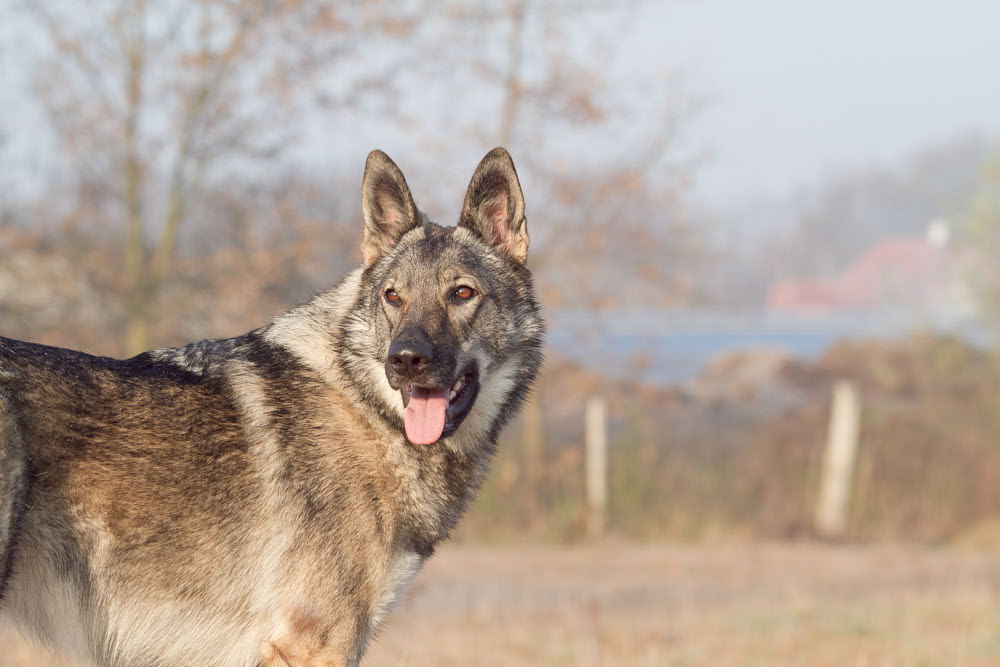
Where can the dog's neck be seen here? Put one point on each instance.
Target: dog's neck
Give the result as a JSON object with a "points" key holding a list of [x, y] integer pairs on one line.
{"points": [[308, 331], [435, 486]]}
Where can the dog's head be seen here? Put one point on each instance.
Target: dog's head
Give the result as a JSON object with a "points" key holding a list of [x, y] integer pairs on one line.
{"points": [[449, 313]]}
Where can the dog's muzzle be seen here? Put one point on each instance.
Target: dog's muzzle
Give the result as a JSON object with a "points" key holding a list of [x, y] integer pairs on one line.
{"points": [[434, 405]]}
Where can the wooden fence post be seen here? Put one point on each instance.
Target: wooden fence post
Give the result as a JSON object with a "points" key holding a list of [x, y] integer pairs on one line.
{"points": [[839, 461], [596, 465]]}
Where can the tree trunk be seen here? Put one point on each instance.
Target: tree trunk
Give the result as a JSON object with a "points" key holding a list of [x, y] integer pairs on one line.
{"points": [[137, 312]]}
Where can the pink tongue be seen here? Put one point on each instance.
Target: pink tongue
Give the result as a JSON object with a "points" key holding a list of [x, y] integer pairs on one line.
{"points": [[425, 413]]}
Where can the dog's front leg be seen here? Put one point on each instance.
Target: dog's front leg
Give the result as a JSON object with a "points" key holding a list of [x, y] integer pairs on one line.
{"points": [[307, 640], [299, 655]]}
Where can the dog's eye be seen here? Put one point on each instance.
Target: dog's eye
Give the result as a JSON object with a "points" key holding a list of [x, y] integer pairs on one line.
{"points": [[391, 296], [464, 293]]}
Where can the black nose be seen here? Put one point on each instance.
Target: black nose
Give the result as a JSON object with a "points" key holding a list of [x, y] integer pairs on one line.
{"points": [[410, 357]]}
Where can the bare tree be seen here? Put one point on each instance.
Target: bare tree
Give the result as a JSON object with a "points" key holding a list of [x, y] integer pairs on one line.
{"points": [[560, 103], [615, 230], [153, 100], [842, 218]]}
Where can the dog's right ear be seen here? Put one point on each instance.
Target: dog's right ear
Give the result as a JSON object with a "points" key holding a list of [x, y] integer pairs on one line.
{"points": [[387, 206]]}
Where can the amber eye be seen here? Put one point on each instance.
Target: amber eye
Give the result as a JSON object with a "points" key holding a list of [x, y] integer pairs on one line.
{"points": [[464, 292], [391, 296]]}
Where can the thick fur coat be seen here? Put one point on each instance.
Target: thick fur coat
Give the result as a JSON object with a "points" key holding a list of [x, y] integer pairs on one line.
{"points": [[260, 501]]}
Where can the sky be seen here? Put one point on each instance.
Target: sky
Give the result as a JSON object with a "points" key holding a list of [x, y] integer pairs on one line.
{"points": [[795, 90], [798, 89]]}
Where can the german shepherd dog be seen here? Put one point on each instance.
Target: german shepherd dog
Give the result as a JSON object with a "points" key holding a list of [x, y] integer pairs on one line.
{"points": [[263, 500]]}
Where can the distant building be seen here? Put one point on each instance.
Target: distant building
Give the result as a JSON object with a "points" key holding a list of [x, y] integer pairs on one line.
{"points": [[916, 272]]}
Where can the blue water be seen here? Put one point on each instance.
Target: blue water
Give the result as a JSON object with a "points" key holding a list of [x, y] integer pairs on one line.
{"points": [[674, 346]]}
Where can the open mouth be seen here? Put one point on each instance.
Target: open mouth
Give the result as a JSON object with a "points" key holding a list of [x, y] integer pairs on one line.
{"points": [[434, 412]]}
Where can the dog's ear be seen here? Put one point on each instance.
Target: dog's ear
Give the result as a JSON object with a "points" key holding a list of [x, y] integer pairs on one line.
{"points": [[387, 206], [494, 205]]}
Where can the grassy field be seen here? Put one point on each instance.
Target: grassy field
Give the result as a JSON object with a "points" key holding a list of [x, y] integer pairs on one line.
{"points": [[617, 604]]}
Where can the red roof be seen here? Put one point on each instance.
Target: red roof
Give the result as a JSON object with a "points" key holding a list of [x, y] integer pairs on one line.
{"points": [[895, 271]]}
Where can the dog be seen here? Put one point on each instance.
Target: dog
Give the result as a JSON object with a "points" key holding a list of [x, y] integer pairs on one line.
{"points": [[263, 501]]}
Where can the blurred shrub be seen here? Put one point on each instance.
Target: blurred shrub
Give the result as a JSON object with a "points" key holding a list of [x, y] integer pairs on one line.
{"points": [[687, 468]]}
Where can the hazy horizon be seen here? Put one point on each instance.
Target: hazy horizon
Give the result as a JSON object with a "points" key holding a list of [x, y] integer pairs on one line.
{"points": [[793, 93]]}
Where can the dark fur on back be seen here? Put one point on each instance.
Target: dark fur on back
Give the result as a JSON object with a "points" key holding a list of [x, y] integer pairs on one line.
{"points": [[255, 501]]}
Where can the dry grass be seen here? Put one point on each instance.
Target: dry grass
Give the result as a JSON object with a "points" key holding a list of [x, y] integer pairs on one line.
{"points": [[735, 605], [750, 605]]}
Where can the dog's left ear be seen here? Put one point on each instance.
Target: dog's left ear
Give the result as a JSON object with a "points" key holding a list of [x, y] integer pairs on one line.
{"points": [[387, 206], [494, 205]]}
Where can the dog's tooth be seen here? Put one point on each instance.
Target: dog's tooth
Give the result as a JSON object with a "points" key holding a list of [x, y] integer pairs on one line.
{"points": [[458, 385], [452, 394]]}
